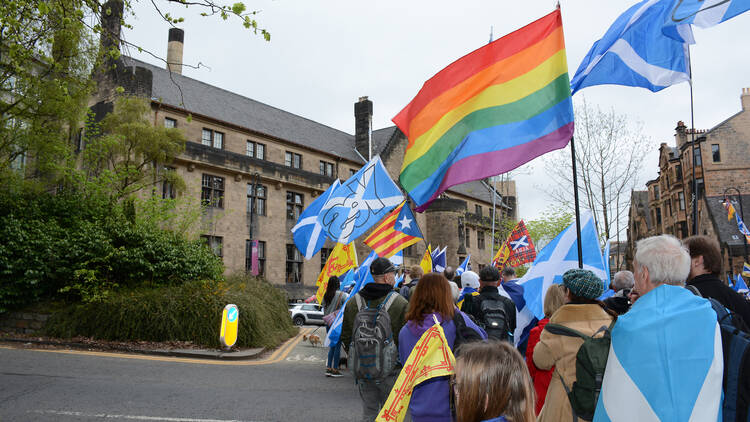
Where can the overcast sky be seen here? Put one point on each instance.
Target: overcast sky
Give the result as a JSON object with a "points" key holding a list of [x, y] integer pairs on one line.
{"points": [[325, 54]]}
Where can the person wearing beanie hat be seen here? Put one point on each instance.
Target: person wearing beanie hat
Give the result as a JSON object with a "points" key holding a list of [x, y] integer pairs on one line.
{"points": [[470, 286], [583, 313]]}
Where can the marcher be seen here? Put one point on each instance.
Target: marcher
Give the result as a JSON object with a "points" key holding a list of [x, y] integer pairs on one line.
{"points": [[470, 286], [622, 284], [705, 267], [332, 301], [496, 314], [665, 361], [508, 274], [583, 313], [430, 399], [415, 273], [492, 384], [374, 392], [449, 274], [553, 300]]}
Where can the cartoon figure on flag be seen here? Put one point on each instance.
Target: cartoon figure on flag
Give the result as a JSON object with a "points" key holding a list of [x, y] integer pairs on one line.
{"points": [[517, 250], [342, 259]]}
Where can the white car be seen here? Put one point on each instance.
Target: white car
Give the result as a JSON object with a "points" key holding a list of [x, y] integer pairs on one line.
{"points": [[306, 313]]}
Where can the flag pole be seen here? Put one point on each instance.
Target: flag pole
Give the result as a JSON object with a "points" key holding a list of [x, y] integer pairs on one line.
{"points": [[692, 144], [577, 207]]}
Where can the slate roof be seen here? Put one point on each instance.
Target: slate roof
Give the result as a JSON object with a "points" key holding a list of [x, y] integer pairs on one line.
{"points": [[727, 229]]}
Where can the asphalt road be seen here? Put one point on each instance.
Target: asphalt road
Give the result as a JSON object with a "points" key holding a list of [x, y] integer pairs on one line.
{"points": [[288, 385]]}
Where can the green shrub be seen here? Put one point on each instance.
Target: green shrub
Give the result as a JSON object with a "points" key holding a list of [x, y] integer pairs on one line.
{"points": [[187, 312]]}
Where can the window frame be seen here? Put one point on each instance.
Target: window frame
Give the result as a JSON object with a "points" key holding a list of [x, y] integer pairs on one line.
{"points": [[292, 277], [173, 121], [256, 146], [168, 190], [212, 241], [260, 200], [292, 158], [215, 197], [325, 253], [293, 213], [478, 209], [716, 154], [480, 240], [326, 168], [211, 141]]}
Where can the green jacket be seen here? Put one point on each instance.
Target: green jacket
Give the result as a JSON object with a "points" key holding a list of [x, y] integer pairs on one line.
{"points": [[397, 312]]}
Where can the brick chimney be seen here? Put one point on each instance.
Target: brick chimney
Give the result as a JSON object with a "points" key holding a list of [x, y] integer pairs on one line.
{"points": [[745, 98], [362, 126], [174, 50]]}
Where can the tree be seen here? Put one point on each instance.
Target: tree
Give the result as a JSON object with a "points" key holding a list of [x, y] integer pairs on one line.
{"points": [[545, 228], [610, 149]]}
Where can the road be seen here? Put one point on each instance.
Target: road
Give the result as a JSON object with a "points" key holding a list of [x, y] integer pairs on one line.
{"points": [[288, 385]]}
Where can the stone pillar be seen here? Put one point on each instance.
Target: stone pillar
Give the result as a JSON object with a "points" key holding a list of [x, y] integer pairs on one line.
{"points": [[442, 224]]}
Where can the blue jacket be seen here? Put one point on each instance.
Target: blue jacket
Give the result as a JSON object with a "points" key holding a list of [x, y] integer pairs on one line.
{"points": [[430, 401]]}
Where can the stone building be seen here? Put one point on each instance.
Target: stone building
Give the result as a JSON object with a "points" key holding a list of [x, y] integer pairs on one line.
{"points": [[722, 167], [240, 151]]}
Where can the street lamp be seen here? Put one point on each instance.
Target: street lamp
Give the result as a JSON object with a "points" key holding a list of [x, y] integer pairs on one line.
{"points": [[742, 215]]}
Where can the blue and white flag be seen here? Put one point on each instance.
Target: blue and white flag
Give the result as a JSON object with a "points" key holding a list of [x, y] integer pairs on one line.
{"points": [[399, 279], [347, 279], [308, 234], [701, 13], [359, 203], [461, 268], [740, 286], [439, 260], [681, 380], [635, 51], [398, 259], [558, 256], [362, 277]]}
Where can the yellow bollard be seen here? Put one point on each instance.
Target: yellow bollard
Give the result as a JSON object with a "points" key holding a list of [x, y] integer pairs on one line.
{"points": [[229, 322]]}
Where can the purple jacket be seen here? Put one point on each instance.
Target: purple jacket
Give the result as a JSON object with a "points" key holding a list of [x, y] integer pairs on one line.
{"points": [[430, 401]]}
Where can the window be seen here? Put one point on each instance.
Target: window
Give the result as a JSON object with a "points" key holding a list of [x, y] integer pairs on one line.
{"points": [[478, 210], [293, 264], [480, 239], [698, 159], [167, 188], [669, 207], [326, 168], [79, 142], [212, 138], [170, 123], [352, 172], [215, 243], [292, 159], [467, 240], [678, 172], [410, 250], [658, 216], [715, 153], [212, 192], [255, 150], [656, 192], [260, 199], [261, 256], [324, 254], [681, 197], [294, 205]]}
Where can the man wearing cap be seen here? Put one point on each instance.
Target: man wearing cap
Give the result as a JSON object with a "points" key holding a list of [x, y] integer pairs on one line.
{"points": [[375, 393], [489, 307]]}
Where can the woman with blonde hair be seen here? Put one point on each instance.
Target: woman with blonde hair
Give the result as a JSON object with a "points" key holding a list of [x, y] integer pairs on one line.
{"points": [[492, 384]]}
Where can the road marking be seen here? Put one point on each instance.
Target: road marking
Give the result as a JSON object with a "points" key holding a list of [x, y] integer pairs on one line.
{"points": [[130, 417], [277, 356]]}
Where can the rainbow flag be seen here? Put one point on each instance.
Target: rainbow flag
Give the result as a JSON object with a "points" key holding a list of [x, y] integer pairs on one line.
{"points": [[488, 112]]}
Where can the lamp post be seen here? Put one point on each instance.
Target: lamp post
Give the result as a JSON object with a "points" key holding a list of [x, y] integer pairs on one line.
{"points": [[742, 215]]}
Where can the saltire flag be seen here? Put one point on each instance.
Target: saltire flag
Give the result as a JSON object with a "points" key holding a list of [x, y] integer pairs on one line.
{"points": [[746, 269], [730, 209], [740, 286], [359, 203], [558, 256], [308, 234], [742, 227], [682, 378], [461, 268], [347, 279], [397, 231], [439, 261], [701, 13], [362, 277], [397, 260], [435, 252], [399, 278], [488, 112], [514, 291], [635, 52], [342, 259], [431, 357], [729, 281], [518, 248], [426, 262]]}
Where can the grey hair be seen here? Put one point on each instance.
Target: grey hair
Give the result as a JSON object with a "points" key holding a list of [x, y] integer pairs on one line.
{"points": [[667, 260], [623, 280]]}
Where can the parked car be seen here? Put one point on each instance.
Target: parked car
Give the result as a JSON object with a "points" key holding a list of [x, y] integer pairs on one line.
{"points": [[306, 313]]}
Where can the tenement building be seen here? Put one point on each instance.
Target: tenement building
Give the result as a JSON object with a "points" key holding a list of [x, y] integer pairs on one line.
{"points": [[256, 167], [722, 170]]}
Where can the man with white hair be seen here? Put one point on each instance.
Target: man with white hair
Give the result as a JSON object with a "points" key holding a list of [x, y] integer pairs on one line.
{"points": [[665, 362], [622, 284]]}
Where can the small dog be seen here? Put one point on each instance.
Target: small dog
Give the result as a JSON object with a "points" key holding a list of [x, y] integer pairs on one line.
{"points": [[314, 340], [304, 337]]}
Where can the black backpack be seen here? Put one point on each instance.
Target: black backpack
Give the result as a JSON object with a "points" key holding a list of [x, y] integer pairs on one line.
{"points": [[373, 351], [591, 361], [464, 333], [494, 320]]}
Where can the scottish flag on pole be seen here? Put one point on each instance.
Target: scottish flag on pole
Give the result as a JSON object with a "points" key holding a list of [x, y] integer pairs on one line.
{"points": [[702, 13], [635, 51], [439, 260], [308, 234], [359, 203], [461, 268], [740, 286]]}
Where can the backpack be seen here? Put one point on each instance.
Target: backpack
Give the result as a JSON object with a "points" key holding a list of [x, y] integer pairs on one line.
{"points": [[373, 352], [464, 333], [736, 347], [591, 360], [494, 321]]}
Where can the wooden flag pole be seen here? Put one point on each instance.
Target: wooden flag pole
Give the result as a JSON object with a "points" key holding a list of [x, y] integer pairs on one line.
{"points": [[577, 207]]}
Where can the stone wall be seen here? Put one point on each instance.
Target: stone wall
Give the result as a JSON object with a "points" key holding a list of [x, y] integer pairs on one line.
{"points": [[22, 322]]}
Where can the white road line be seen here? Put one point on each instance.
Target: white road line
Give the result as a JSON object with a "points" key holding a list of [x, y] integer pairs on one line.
{"points": [[130, 417]]}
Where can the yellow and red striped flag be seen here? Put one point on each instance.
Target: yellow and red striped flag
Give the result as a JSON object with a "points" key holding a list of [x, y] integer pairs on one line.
{"points": [[398, 231]]}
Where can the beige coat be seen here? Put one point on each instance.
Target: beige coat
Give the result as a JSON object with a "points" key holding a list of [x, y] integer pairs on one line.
{"points": [[560, 352]]}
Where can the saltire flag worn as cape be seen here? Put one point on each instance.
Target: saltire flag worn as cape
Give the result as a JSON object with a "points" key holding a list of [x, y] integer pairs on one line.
{"points": [[518, 249], [398, 231], [665, 362], [488, 112], [431, 357], [702, 13], [308, 234], [342, 259]]}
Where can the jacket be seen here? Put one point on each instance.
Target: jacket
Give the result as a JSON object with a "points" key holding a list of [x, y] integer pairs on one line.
{"points": [[560, 352], [338, 299], [472, 305], [711, 286], [430, 401], [375, 293], [540, 377]]}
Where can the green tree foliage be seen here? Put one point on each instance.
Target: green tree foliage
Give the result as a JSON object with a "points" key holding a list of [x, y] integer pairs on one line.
{"points": [[545, 228]]}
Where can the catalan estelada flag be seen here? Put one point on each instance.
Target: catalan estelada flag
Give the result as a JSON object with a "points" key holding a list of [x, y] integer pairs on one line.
{"points": [[488, 112], [397, 231]]}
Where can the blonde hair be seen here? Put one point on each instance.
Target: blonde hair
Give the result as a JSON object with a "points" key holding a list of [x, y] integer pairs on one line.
{"points": [[553, 299], [492, 380]]}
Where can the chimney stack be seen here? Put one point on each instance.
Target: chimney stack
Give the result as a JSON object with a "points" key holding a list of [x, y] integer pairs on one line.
{"points": [[362, 126], [745, 98], [174, 50]]}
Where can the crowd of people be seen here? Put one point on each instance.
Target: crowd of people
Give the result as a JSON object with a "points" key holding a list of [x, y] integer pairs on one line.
{"points": [[652, 351]]}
